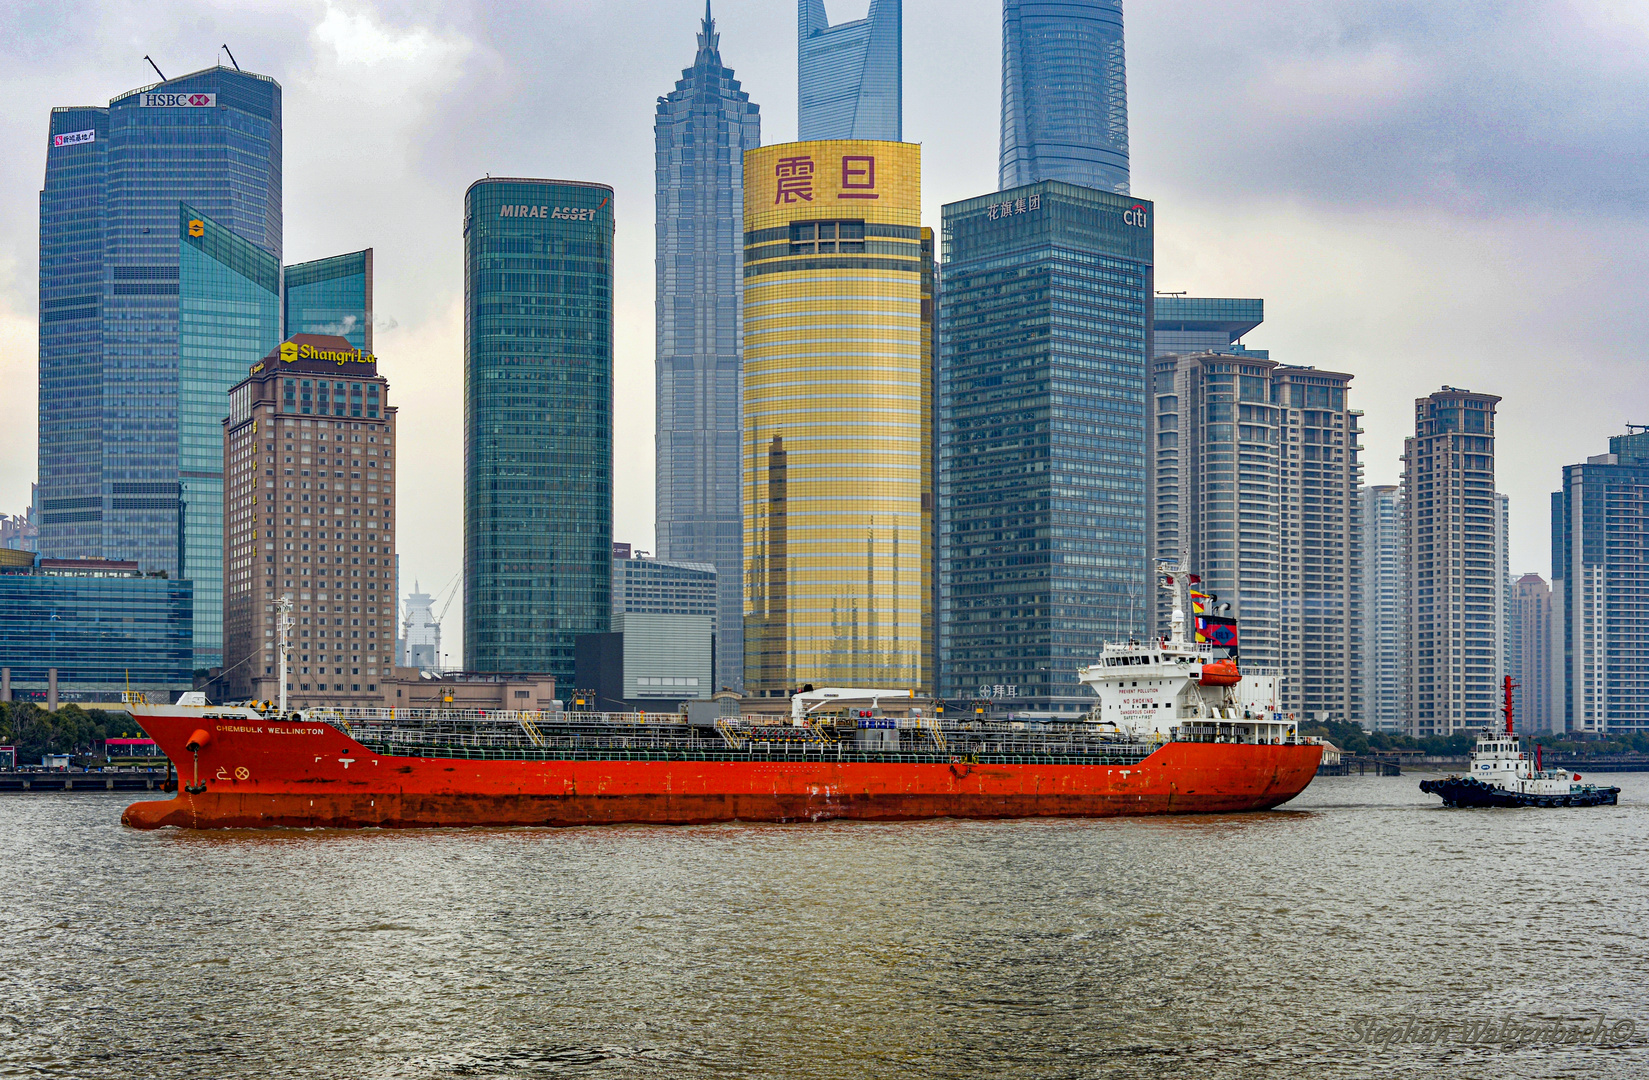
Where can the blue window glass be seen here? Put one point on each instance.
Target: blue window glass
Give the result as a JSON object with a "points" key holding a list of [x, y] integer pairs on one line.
{"points": [[538, 465]]}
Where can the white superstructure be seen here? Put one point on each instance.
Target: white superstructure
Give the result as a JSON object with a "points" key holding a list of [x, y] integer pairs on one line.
{"points": [[1496, 760], [1175, 689]]}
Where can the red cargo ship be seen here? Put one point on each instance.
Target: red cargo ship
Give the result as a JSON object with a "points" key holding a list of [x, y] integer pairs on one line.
{"points": [[1166, 737]]}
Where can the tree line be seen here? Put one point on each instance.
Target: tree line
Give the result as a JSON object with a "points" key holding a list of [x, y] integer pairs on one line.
{"points": [[1349, 736], [70, 730]]}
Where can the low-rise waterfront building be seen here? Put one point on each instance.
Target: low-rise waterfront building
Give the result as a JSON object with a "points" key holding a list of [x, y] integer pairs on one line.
{"points": [[87, 630]]}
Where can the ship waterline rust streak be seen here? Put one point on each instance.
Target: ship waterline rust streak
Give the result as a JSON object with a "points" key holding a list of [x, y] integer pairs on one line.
{"points": [[309, 774]]}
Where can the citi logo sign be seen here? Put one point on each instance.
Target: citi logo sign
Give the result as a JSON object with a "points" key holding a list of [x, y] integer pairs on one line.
{"points": [[179, 101], [1135, 216]]}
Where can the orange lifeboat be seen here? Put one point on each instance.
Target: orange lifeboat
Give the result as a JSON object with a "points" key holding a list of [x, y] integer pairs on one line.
{"points": [[1221, 673]]}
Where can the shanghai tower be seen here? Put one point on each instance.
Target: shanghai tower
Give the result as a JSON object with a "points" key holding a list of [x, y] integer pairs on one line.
{"points": [[1064, 94], [702, 129]]}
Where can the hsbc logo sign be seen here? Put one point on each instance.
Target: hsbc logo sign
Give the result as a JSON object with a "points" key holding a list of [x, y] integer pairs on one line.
{"points": [[1135, 215], [179, 101]]}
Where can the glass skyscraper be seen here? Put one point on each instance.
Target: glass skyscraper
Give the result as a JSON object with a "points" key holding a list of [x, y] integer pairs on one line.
{"points": [[128, 388], [1064, 94], [701, 131], [229, 295], [1197, 324], [538, 422], [850, 76], [837, 465], [330, 296], [1044, 334]]}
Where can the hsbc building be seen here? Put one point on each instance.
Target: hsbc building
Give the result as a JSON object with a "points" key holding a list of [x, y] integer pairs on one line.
{"points": [[133, 370]]}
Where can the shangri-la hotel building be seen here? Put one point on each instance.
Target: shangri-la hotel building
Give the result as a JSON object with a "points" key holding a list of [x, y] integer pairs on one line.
{"points": [[309, 486]]}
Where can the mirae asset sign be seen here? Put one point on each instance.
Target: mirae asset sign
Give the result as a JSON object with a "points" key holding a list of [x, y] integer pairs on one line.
{"points": [[564, 213], [179, 101]]}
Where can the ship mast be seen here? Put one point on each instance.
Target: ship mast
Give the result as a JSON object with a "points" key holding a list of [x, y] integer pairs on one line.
{"points": [[283, 624], [1168, 580], [1507, 707]]}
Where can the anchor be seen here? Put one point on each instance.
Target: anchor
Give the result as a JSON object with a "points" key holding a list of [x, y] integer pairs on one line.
{"points": [[199, 739]]}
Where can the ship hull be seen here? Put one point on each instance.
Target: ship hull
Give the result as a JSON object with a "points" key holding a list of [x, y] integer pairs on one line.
{"points": [[1467, 791], [310, 775]]}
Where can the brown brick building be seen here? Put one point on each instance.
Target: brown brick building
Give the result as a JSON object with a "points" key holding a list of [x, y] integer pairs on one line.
{"points": [[309, 487]]}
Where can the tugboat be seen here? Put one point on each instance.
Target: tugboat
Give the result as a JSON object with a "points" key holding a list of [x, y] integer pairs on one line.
{"points": [[1502, 775]]}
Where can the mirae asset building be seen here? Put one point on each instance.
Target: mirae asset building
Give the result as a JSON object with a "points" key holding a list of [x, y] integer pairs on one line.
{"points": [[309, 485]]}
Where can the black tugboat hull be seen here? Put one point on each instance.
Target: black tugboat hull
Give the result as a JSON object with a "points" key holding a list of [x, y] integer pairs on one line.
{"points": [[1468, 791]]}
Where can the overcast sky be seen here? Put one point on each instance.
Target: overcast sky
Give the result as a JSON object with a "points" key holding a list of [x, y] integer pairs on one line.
{"points": [[1423, 193]]}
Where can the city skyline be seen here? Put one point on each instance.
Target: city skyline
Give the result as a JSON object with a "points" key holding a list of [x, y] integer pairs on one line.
{"points": [[1321, 268]]}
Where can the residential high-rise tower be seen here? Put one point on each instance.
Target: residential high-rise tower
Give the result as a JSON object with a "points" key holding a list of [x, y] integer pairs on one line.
{"points": [[1382, 644], [1452, 577], [1599, 604], [1044, 338], [1529, 653], [1255, 476], [701, 131], [538, 422], [850, 76], [836, 417], [1320, 543], [1064, 94]]}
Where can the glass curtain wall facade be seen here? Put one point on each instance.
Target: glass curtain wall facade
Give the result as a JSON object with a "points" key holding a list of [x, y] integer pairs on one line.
{"points": [[1599, 603], [701, 131], [1452, 579], [835, 478], [1064, 94], [1196, 324], [212, 140], [229, 294], [72, 224], [850, 77], [538, 427], [104, 628], [330, 296], [1044, 334]]}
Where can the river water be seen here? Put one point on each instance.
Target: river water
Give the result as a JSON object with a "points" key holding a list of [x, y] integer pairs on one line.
{"points": [[1340, 936]]}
